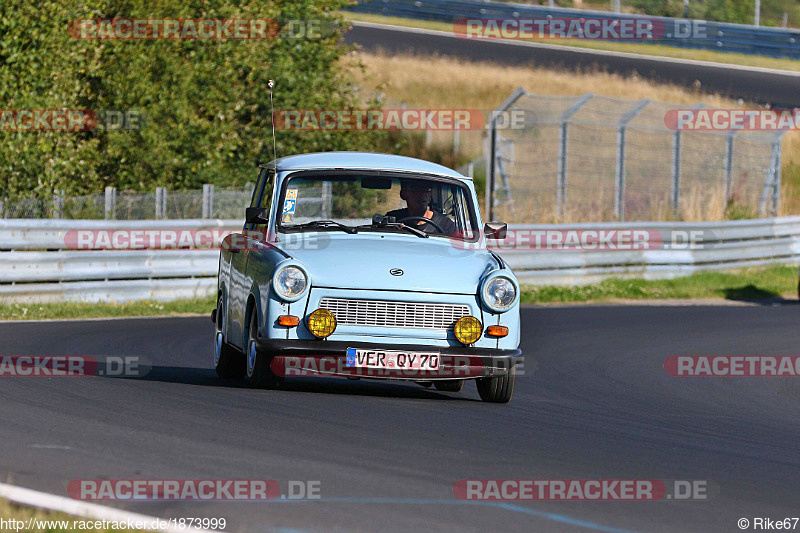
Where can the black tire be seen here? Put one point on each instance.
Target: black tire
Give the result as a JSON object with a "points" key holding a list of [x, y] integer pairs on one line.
{"points": [[228, 361], [499, 389], [449, 385], [258, 363]]}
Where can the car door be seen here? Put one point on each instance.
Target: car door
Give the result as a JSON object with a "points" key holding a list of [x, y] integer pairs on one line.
{"points": [[239, 248]]}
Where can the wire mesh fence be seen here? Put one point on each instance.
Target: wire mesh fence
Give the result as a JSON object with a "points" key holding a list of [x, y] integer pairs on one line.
{"points": [[593, 159], [211, 202]]}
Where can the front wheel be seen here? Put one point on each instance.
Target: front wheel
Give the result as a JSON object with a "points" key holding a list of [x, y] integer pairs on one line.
{"points": [[499, 389], [258, 364], [228, 361]]}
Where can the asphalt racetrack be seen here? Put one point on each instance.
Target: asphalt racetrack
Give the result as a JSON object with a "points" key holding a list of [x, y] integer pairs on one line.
{"points": [[594, 403], [776, 87]]}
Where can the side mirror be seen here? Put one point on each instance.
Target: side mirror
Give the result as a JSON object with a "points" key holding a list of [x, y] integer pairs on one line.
{"points": [[257, 215], [495, 230]]}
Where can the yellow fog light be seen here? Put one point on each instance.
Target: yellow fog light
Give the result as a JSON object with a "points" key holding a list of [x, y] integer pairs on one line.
{"points": [[321, 323], [468, 329]]}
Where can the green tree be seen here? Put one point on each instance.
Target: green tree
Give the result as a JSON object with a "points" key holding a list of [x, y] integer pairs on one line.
{"points": [[206, 102]]}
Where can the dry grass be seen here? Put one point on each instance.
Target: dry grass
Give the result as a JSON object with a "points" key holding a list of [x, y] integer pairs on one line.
{"points": [[438, 82], [441, 83], [790, 174]]}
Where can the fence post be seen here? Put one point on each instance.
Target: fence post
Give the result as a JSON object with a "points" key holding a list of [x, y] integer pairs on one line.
{"points": [[676, 172], [2, 208], [492, 159], [208, 201], [506, 153], [676, 167], [561, 185], [775, 168], [619, 187], [470, 170], [161, 202], [490, 164], [327, 199], [111, 202], [728, 178], [58, 203]]}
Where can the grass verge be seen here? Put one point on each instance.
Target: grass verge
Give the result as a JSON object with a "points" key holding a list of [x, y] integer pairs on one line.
{"points": [[49, 311], [44, 521], [752, 284], [612, 46]]}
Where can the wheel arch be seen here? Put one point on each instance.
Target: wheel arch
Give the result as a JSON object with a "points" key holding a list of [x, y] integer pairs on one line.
{"points": [[251, 311]]}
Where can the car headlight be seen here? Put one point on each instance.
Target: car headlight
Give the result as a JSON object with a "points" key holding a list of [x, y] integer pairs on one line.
{"points": [[290, 282], [499, 293]]}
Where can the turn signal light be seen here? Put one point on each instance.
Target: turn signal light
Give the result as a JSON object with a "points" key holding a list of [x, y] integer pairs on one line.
{"points": [[321, 323], [468, 329], [497, 331], [288, 320]]}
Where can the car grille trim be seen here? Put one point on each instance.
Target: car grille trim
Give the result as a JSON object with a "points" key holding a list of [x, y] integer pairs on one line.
{"points": [[394, 314]]}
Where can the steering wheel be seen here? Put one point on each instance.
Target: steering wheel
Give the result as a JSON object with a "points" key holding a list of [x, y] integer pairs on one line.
{"points": [[423, 219]]}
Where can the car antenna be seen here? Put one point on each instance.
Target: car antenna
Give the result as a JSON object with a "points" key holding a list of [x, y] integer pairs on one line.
{"points": [[272, 119]]}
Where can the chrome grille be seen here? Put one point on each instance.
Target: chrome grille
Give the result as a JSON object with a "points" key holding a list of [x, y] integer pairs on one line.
{"points": [[382, 313]]}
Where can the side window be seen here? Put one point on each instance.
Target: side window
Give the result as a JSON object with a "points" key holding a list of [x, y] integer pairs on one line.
{"points": [[262, 194], [254, 199], [463, 219], [265, 199]]}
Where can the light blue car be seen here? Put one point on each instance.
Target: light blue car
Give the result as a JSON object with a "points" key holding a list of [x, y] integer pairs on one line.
{"points": [[366, 265]]}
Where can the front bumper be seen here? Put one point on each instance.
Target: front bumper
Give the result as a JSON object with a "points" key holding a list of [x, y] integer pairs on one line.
{"points": [[305, 357]]}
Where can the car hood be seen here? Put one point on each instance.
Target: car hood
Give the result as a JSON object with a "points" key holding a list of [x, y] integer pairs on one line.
{"points": [[366, 261]]}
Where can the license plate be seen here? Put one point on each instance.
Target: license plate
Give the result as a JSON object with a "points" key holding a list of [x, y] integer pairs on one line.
{"points": [[390, 359]]}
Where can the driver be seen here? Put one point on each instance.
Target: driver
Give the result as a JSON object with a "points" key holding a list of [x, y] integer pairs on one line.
{"points": [[417, 195]]}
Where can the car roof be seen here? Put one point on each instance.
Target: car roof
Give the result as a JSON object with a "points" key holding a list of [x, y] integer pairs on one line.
{"points": [[361, 160]]}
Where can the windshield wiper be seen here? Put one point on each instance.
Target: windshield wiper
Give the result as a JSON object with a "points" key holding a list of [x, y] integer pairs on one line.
{"points": [[323, 224], [379, 221]]}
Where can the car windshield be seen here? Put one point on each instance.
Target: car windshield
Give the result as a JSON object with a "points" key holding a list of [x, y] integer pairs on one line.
{"points": [[430, 207]]}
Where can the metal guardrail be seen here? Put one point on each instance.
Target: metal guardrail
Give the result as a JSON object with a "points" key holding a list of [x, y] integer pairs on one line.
{"points": [[28, 274], [38, 262], [52, 234], [723, 245], [725, 37]]}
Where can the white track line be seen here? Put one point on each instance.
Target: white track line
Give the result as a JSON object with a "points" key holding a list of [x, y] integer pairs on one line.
{"points": [[83, 509], [586, 51]]}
